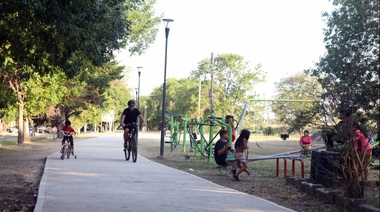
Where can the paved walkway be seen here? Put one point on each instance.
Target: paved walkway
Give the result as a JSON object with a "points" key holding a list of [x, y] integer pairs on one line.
{"points": [[100, 179]]}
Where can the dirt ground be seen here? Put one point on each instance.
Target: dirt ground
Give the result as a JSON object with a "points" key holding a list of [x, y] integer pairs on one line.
{"points": [[21, 169]]}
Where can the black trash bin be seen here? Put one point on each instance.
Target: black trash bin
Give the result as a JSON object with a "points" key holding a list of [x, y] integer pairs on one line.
{"points": [[324, 169]]}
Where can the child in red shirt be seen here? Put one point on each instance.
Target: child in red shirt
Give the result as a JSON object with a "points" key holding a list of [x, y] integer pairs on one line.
{"points": [[305, 140], [68, 133]]}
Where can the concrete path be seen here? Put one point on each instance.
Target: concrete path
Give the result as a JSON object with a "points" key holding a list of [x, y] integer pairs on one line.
{"points": [[100, 179]]}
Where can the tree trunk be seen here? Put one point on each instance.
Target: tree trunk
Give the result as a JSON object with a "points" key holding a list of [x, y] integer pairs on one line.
{"points": [[20, 138], [26, 131]]}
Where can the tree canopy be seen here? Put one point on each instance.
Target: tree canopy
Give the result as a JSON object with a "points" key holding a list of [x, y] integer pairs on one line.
{"points": [[76, 38], [233, 82], [297, 115], [349, 71]]}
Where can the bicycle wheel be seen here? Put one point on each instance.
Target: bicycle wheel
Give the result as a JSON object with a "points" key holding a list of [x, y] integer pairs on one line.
{"points": [[134, 148], [127, 151], [63, 152], [68, 152]]}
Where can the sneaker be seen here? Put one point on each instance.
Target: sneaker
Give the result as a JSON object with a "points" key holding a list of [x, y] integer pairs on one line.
{"points": [[234, 172], [236, 177]]}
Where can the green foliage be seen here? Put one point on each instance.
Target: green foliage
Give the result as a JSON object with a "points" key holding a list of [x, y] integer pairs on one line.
{"points": [[232, 88], [37, 38], [42, 35], [352, 30], [233, 82], [269, 131], [181, 96], [42, 92], [351, 85], [294, 116], [116, 98], [143, 25]]}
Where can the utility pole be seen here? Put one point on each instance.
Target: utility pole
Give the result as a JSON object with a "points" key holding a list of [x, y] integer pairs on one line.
{"points": [[212, 82]]}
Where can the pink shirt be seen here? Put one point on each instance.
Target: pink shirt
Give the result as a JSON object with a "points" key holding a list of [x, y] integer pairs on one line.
{"points": [[305, 139], [362, 143]]}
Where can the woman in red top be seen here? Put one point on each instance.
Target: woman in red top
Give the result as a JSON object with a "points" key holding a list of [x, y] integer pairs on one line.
{"points": [[363, 145], [305, 140]]}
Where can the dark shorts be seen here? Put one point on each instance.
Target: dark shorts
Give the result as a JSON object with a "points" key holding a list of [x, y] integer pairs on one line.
{"points": [[130, 127], [71, 140]]}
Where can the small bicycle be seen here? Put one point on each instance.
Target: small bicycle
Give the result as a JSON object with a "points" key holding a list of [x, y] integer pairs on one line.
{"points": [[66, 148], [131, 146]]}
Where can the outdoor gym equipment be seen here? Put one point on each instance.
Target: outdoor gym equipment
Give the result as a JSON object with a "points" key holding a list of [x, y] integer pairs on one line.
{"points": [[204, 146], [175, 132]]}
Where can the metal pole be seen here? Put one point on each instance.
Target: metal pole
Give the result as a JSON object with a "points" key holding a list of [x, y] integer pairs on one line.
{"points": [[162, 144], [145, 117], [138, 100], [199, 98], [212, 88]]}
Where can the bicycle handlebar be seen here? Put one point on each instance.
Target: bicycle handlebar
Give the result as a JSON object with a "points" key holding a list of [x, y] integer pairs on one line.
{"points": [[67, 133], [132, 124]]}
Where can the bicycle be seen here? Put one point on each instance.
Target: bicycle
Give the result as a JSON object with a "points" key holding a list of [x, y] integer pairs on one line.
{"points": [[130, 148], [66, 148]]}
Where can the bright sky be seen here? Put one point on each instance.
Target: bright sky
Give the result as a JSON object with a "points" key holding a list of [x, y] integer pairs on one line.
{"points": [[284, 36]]}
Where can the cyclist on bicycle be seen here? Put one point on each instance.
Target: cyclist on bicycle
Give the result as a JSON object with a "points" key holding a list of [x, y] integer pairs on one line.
{"points": [[68, 129], [130, 115]]}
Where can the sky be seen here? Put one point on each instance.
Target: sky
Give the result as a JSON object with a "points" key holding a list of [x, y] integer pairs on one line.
{"points": [[284, 36]]}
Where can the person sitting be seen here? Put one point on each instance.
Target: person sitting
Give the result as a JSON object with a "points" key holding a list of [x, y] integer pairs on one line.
{"points": [[221, 150], [305, 142]]}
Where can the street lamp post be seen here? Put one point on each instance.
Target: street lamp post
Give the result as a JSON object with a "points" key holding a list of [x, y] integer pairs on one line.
{"points": [[145, 117], [167, 29], [138, 97], [212, 82], [137, 91]]}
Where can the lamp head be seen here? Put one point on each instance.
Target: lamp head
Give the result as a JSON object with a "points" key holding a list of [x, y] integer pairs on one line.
{"points": [[349, 57], [167, 22], [139, 67]]}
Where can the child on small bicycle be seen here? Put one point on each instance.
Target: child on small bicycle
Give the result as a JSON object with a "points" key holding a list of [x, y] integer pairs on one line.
{"points": [[68, 134]]}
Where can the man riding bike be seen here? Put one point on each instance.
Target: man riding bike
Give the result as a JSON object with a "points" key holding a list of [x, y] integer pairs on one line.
{"points": [[129, 116]]}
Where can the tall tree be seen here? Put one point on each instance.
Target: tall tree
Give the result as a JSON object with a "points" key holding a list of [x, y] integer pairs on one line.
{"points": [[351, 85], [41, 36], [233, 81], [182, 98], [297, 115], [352, 33]]}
